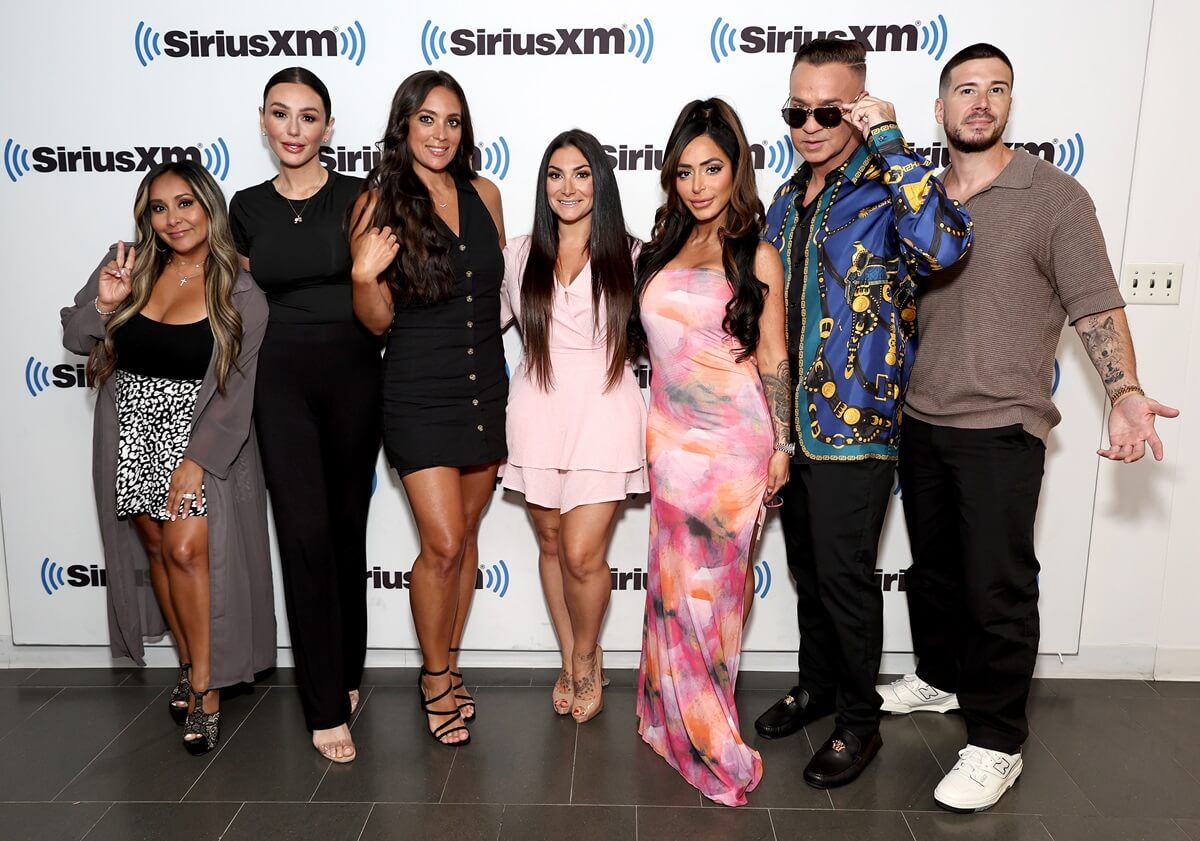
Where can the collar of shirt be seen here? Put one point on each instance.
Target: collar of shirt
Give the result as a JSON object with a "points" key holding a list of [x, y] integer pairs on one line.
{"points": [[852, 169]]}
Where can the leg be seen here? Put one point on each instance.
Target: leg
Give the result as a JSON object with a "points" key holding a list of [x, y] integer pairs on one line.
{"points": [[546, 524], [586, 588], [185, 551], [933, 584], [436, 499], [149, 532], [478, 484], [999, 473]]}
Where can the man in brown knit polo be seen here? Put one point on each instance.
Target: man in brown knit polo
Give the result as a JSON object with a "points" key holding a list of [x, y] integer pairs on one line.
{"points": [[977, 413]]}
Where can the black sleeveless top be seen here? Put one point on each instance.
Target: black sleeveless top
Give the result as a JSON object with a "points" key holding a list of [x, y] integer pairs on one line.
{"points": [[445, 383], [151, 348]]}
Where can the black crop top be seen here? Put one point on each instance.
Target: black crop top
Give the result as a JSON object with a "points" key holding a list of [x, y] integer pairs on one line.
{"points": [[302, 267], [170, 351]]}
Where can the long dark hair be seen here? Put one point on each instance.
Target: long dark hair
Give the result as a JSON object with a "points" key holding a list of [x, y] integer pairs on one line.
{"points": [[402, 200], [609, 249], [220, 272], [744, 221]]}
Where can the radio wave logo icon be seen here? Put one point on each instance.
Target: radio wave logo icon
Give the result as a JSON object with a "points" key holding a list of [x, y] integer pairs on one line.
{"points": [[721, 40], [1070, 155], [495, 157], [354, 43], [216, 158], [433, 42], [762, 579], [16, 160], [53, 577], [495, 578], [781, 155], [37, 377], [934, 37], [145, 43], [641, 40], [1057, 378]]}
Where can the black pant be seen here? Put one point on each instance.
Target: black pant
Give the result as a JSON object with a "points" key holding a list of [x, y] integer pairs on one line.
{"points": [[970, 499], [832, 515], [317, 411]]}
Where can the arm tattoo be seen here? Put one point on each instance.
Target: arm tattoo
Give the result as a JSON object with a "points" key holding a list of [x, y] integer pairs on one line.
{"points": [[778, 389], [1106, 349]]}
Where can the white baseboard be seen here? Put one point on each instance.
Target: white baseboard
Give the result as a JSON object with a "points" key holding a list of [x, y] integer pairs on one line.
{"points": [[1177, 664]]}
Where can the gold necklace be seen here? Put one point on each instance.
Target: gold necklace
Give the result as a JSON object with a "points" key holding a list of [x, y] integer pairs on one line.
{"points": [[300, 213], [185, 278]]}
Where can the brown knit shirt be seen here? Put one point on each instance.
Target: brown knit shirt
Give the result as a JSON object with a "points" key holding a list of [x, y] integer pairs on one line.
{"points": [[989, 324]]}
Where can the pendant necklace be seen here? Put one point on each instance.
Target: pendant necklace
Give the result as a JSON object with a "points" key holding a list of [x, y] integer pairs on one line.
{"points": [[300, 213], [184, 278]]}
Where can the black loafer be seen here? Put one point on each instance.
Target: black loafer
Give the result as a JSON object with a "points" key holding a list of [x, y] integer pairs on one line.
{"points": [[841, 759], [790, 713]]}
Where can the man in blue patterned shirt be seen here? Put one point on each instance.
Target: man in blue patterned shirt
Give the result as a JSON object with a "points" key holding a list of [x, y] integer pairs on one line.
{"points": [[861, 219]]}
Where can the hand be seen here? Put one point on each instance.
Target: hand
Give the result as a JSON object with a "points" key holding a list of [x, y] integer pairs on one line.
{"points": [[116, 279], [867, 111], [1131, 428], [188, 478], [778, 472], [373, 253]]}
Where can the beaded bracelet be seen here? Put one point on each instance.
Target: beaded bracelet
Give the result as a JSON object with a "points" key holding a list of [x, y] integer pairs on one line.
{"points": [[105, 313]]}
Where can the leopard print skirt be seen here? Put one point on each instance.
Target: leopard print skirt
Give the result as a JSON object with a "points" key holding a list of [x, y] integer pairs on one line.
{"points": [[154, 415]]}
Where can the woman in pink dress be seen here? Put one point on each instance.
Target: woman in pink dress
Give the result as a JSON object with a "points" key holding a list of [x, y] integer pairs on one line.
{"points": [[576, 418], [709, 311]]}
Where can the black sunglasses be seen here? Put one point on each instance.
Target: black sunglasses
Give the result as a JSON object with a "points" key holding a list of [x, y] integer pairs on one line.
{"points": [[827, 116]]}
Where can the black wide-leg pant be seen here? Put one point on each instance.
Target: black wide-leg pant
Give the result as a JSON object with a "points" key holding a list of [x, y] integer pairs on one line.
{"points": [[316, 408], [970, 499], [832, 516]]}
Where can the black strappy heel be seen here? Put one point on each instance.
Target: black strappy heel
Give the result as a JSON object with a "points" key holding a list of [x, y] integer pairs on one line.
{"points": [[467, 700], [180, 694], [206, 725], [446, 727]]}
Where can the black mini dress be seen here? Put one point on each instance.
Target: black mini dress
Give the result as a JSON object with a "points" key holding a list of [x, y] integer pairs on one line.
{"points": [[445, 382]]}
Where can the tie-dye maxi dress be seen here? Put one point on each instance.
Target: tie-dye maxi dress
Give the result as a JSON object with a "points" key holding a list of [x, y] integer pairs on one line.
{"points": [[708, 443]]}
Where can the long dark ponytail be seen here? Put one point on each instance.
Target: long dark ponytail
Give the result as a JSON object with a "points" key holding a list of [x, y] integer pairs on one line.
{"points": [[609, 249], [744, 221]]}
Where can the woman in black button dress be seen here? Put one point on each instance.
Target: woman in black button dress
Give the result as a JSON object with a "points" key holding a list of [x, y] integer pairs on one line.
{"points": [[427, 239]]}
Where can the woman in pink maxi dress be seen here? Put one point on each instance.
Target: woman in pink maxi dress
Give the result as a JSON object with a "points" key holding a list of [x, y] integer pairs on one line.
{"points": [[715, 448]]}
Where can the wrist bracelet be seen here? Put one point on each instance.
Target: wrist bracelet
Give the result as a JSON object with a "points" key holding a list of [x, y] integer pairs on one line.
{"points": [[789, 448], [105, 312], [1124, 390]]}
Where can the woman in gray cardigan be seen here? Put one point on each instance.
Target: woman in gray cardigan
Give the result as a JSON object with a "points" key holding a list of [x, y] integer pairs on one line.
{"points": [[179, 487]]}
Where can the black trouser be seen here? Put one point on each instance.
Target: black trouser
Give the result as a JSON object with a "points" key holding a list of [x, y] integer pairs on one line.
{"points": [[317, 411], [970, 499], [832, 515]]}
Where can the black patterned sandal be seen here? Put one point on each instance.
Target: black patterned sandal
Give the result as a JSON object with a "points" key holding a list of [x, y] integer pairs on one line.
{"points": [[462, 700], [446, 727], [179, 695], [204, 727]]}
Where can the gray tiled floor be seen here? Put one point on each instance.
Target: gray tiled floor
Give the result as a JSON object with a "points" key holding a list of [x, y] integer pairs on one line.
{"points": [[92, 754]]}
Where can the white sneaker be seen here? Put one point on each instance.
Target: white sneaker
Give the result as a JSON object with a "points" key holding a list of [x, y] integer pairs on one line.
{"points": [[910, 694], [977, 780]]}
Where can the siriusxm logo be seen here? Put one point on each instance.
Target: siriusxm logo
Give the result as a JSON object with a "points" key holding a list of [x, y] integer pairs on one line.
{"points": [[149, 44], [55, 576], [725, 39], [889, 581], [762, 579], [214, 156], [1057, 379], [627, 579], [1066, 155], [637, 41], [67, 375], [492, 157], [777, 155], [492, 577]]}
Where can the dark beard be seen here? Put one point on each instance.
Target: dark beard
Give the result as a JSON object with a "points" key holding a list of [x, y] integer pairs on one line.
{"points": [[961, 144]]}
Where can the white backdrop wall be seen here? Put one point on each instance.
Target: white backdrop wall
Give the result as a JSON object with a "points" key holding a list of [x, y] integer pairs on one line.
{"points": [[158, 82]]}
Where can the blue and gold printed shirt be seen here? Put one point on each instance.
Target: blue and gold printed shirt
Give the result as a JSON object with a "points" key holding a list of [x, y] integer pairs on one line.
{"points": [[850, 259]]}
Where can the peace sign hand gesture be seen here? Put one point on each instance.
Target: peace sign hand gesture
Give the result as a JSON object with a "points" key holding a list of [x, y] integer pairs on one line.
{"points": [[116, 279]]}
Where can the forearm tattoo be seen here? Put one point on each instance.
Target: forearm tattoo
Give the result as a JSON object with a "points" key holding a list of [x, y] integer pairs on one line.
{"points": [[1106, 347], [778, 389]]}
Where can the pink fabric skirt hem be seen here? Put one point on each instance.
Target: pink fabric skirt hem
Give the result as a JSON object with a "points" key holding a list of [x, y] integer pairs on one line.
{"points": [[567, 489]]}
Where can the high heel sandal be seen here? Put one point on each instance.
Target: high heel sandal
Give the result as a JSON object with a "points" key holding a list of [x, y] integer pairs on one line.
{"points": [[446, 727], [180, 694], [467, 700], [204, 725], [564, 698], [584, 711]]}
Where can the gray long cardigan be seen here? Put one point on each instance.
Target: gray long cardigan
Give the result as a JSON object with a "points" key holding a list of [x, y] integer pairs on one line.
{"points": [[223, 443]]}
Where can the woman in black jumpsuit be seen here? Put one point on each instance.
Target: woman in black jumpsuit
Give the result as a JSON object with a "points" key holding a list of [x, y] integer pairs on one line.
{"points": [[427, 241]]}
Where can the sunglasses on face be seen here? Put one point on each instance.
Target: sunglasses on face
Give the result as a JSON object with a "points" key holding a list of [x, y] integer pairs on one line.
{"points": [[827, 116]]}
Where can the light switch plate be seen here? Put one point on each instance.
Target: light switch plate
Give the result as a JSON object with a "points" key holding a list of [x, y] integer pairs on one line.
{"points": [[1151, 283]]}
